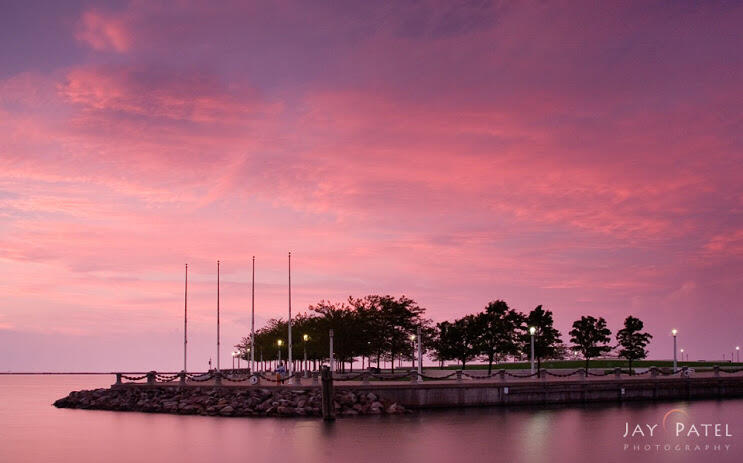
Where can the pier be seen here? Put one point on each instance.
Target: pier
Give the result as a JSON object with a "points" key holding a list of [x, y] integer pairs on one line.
{"points": [[441, 389]]}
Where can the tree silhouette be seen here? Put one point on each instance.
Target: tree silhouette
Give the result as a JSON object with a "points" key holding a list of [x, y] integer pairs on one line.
{"points": [[499, 328], [632, 341], [547, 341], [590, 336]]}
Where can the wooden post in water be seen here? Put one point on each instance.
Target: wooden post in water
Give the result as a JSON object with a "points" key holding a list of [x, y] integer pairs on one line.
{"points": [[328, 409]]}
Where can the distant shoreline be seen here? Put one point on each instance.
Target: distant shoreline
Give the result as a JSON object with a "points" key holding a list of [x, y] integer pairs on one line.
{"points": [[7, 373]]}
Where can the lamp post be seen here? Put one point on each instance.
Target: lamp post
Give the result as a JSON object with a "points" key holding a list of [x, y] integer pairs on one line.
{"points": [[305, 338], [674, 332], [420, 356], [332, 359], [234, 354], [532, 330], [279, 343], [682, 354], [737, 349], [412, 339]]}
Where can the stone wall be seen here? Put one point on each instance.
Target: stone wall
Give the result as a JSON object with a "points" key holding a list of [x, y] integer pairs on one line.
{"points": [[226, 401]]}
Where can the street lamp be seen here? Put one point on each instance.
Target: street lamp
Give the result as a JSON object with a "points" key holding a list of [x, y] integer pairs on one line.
{"points": [[234, 354], [279, 343], [674, 332], [305, 338], [682, 354], [412, 339], [532, 330], [737, 349]]}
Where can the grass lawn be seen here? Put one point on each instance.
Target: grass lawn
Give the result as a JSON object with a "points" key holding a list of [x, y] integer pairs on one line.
{"points": [[599, 363]]}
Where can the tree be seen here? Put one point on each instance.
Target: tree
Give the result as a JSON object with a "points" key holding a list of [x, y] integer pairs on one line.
{"points": [[389, 324], [499, 330], [632, 341], [462, 339], [547, 342], [442, 343], [347, 330], [590, 337]]}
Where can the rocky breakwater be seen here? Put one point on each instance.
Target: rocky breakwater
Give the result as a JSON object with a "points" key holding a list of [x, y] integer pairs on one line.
{"points": [[227, 401]]}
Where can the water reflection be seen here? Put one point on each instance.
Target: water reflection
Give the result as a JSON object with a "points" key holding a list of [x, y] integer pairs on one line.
{"points": [[32, 430]]}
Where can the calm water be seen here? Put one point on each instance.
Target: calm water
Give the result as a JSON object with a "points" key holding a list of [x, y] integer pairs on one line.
{"points": [[31, 430]]}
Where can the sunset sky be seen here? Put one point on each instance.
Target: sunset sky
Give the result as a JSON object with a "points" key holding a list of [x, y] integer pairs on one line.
{"points": [[587, 156]]}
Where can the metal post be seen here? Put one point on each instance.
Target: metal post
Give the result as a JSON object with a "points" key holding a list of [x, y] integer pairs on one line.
{"points": [[328, 408], [218, 316], [289, 355], [332, 359], [420, 356], [252, 321], [185, 323], [304, 365], [674, 353], [532, 353]]}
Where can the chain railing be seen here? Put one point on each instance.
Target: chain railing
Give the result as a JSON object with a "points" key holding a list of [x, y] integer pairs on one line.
{"points": [[153, 378]]}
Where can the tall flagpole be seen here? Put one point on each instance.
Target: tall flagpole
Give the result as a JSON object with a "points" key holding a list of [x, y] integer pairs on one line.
{"points": [[291, 370], [218, 316], [252, 321], [185, 322]]}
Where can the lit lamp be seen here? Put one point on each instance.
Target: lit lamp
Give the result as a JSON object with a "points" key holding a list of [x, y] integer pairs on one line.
{"points": [[412, 339], [279, 343], [532, 330], [737, 350], [682, 354], [234, 354], [305, 338], [674, 332]]}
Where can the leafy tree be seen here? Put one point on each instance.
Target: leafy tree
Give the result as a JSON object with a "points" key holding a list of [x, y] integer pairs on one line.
{"points": [[389, 323], [441, 343], [347, 330], [590, 336], [632, 341], [499, 330], [462, 338], [547, 341]]}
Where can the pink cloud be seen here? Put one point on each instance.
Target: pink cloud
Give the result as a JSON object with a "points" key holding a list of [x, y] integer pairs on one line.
{"points": [[454, 155], [103, 31]]}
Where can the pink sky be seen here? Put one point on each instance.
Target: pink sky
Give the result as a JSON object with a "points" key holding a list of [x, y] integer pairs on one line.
{"points": [[584, 156]]}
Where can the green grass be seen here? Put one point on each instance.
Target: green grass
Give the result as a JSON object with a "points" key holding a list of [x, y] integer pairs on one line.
{"points": [[601, 363]]}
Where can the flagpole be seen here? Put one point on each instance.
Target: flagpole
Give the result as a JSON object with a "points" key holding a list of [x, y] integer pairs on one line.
{"points": [[252, 321], [291, 369], [185, 323], [218, 316]]}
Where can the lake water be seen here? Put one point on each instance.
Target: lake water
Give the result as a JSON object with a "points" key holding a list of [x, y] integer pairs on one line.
{"points": [[32, 430]]}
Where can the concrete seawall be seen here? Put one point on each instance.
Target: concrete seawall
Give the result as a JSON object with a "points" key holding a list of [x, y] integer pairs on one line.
{"points": [[478, 393], [474, 394]]}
